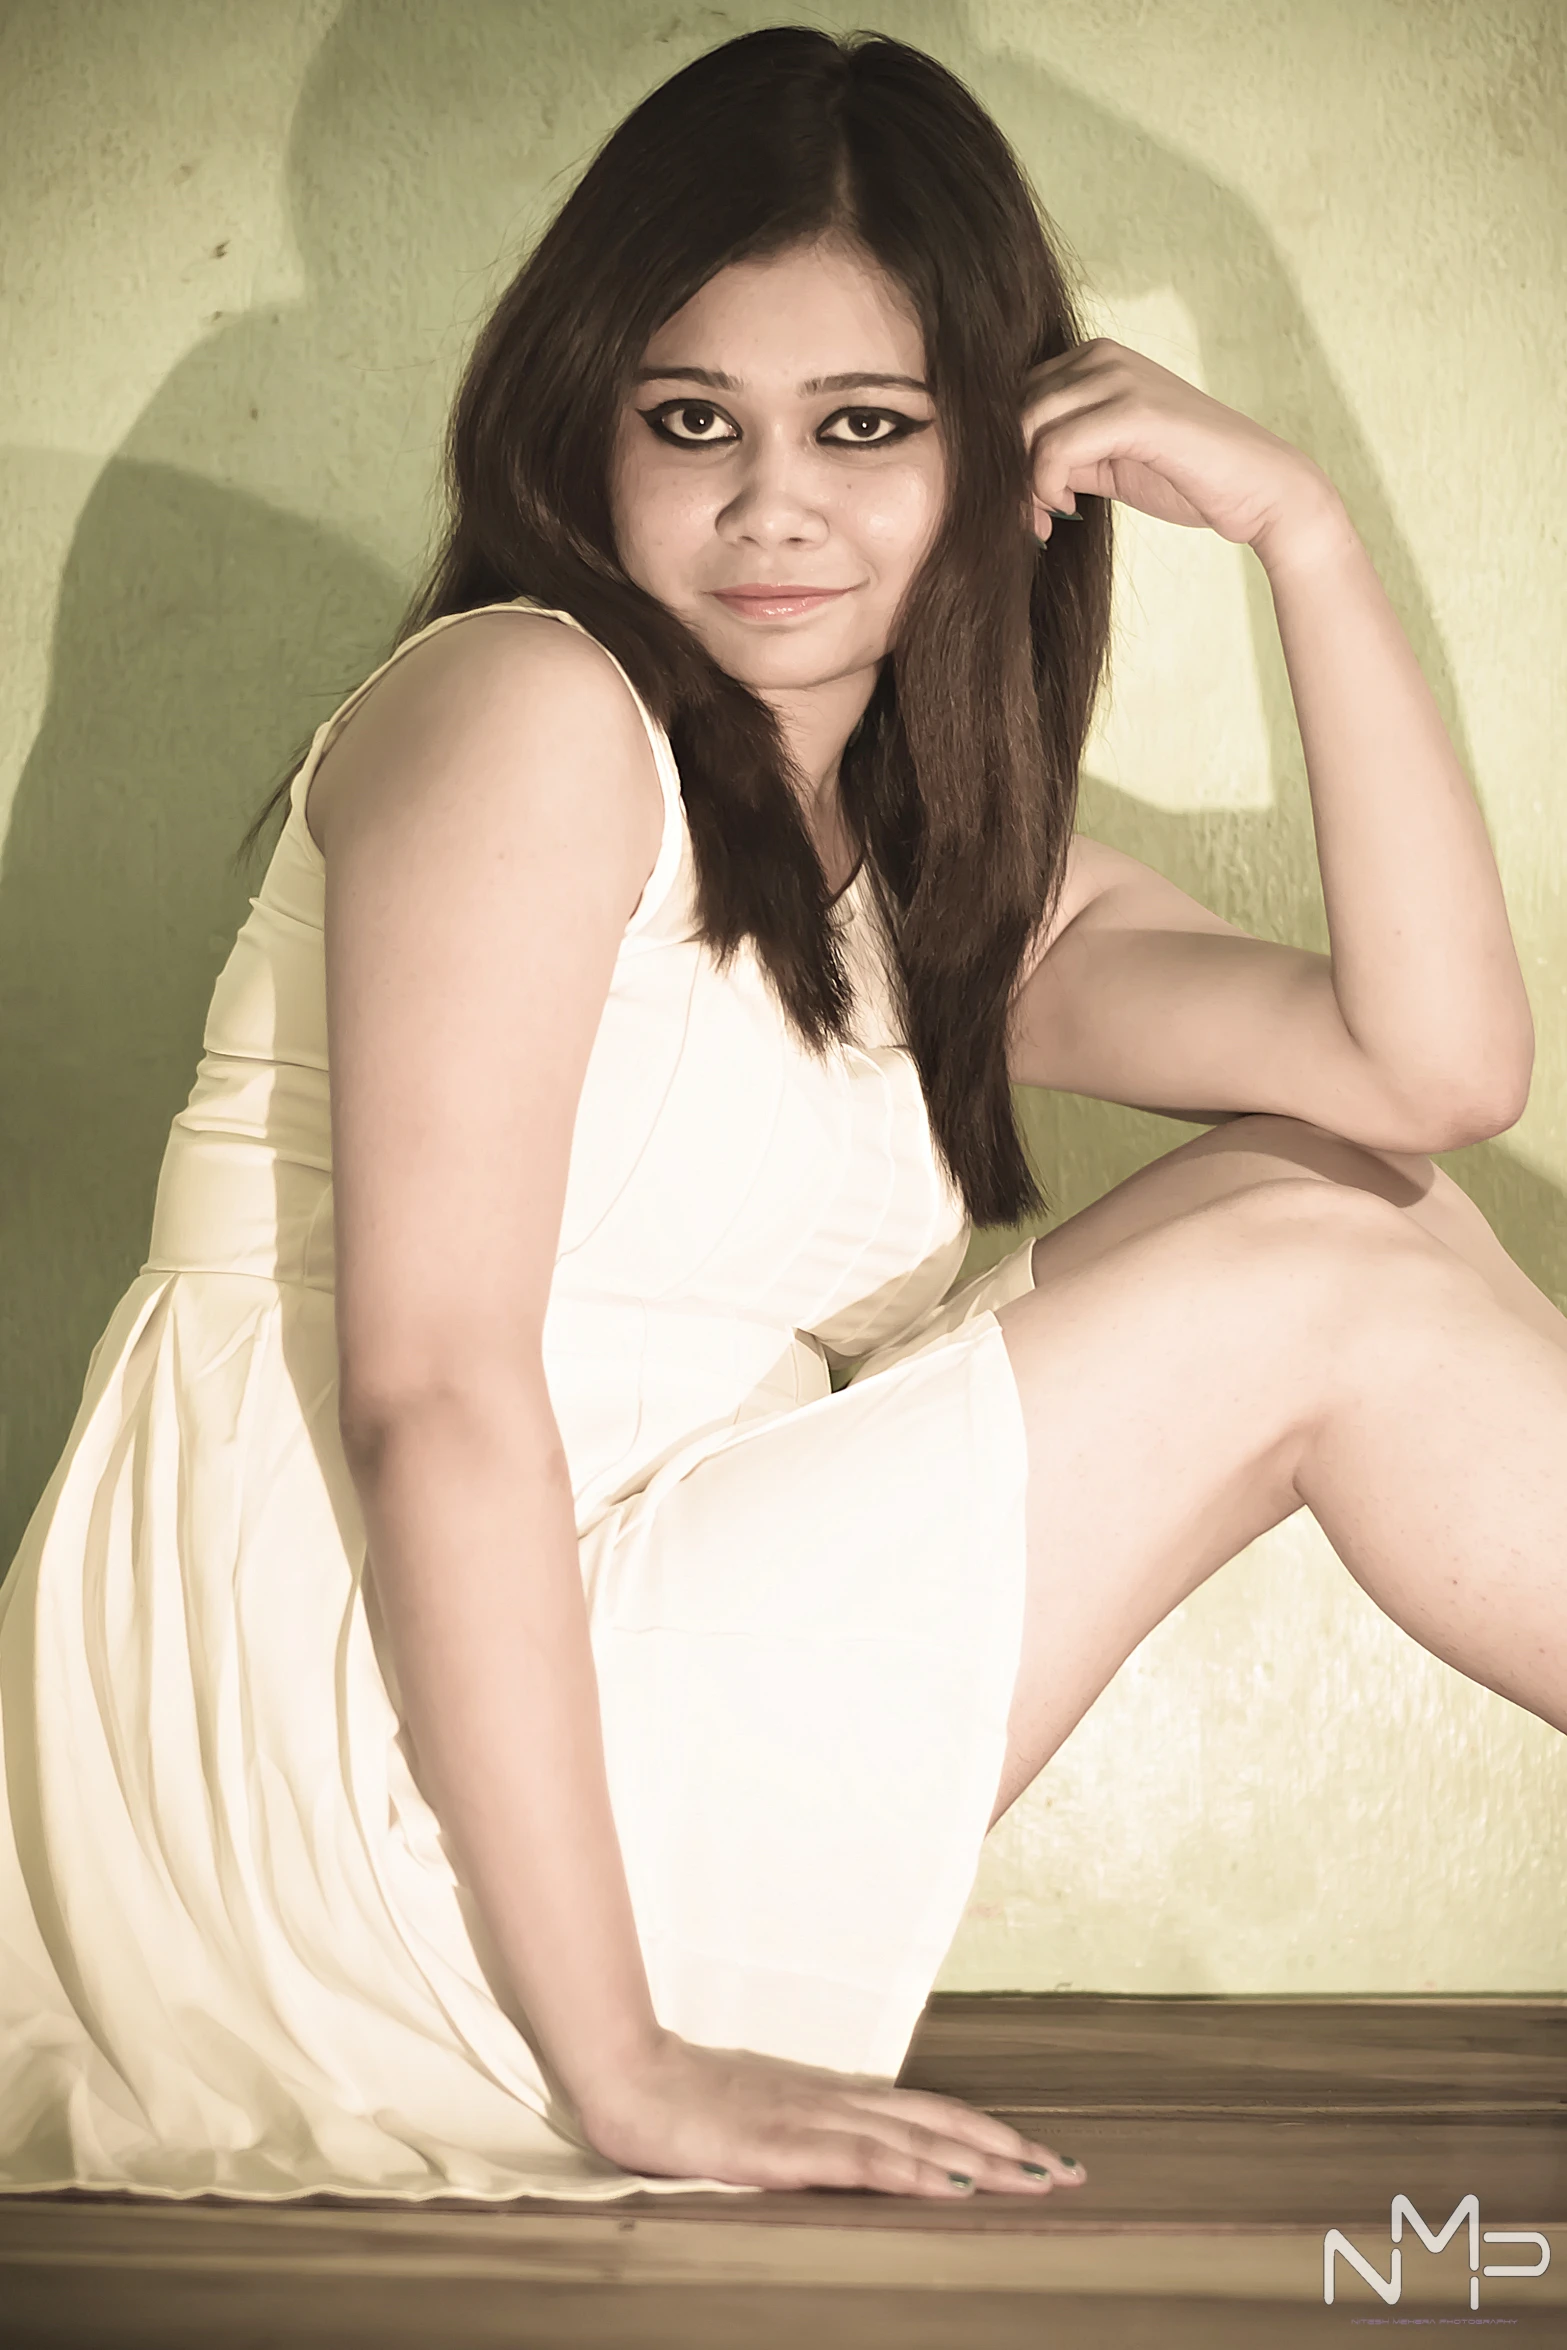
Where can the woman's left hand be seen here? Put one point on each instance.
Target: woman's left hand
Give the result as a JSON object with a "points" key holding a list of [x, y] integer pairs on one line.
{"points": [[1106, 421]]}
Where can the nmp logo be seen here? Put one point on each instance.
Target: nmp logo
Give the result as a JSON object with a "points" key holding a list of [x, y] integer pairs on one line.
{"points": [[1336, 2245]]}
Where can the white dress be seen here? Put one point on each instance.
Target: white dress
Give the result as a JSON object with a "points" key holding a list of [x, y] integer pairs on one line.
{"points": [[234, 1956]]}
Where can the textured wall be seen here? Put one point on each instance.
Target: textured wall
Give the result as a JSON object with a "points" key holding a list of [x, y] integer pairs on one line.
{"points": [[244, 248]]}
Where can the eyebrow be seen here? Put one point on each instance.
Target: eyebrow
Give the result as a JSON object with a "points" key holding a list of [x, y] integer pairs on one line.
{"points": [[815, 383]]}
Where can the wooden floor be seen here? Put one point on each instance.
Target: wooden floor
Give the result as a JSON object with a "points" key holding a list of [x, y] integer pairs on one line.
{"points": [[1223, 2138]]}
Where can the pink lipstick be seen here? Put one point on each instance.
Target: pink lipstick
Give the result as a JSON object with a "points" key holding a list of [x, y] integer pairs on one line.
{"points": [[758, 601]]}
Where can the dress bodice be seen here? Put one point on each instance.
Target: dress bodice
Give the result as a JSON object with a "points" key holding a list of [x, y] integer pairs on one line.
{"points": [[739, 1213]]}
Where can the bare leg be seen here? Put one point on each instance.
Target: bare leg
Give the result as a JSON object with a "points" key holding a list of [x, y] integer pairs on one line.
{"points": [[1288, 1340], [1262, 1146]]}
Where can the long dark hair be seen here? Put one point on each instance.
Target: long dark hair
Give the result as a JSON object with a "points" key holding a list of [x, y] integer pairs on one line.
{"points": [[960, 779]]}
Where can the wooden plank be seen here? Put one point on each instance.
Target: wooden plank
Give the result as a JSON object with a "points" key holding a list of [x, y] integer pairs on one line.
{"points": [[1222, 2138], [1287, 2171], [1284, 2264], [196, 2313], [1062, 2054], [1280, 2172], [1057, 2251]]}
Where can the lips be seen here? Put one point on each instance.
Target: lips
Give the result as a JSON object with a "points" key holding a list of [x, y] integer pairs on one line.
{"points": [[780, 599]]}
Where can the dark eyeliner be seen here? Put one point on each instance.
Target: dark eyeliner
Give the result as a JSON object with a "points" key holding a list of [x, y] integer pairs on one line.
{"points": [[652, 418], [903, 425]]}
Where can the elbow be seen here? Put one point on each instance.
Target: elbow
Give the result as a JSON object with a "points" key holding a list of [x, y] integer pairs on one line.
{"points": [[1488, 1123], [1449, 1111], [508, 1406], [1477, 1115], [1502, 1100]]}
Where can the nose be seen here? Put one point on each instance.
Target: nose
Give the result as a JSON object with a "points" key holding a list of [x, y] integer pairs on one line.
{"points": [[779, 497]]}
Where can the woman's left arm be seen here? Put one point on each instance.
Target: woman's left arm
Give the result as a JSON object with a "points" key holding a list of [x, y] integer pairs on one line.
{"points": [[1425, 971], [1418, 1020]]}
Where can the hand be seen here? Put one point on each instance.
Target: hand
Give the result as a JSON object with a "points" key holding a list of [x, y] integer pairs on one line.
{"points": [[759, 2121], [1105, 421]]}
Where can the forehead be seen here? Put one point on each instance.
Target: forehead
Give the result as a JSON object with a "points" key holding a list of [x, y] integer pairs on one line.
{"points": [[809, 313]]}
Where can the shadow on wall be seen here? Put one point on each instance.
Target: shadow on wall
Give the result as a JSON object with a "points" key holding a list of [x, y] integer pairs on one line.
{"points": [[204, 630]]}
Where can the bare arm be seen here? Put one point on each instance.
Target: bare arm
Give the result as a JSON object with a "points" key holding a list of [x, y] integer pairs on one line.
{"points": [[1415, 1032], [1425, 971], [1144, 996], [488, 816], [1417, 1024], [468, 1508]]}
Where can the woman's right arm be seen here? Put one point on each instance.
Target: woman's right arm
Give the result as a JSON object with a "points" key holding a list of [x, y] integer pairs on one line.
{"points": [[489, 814]]}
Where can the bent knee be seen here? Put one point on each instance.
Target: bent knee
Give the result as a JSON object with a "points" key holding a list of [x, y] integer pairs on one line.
{"points": [[1287, 1213], [1414, 1184], [1323, 1151], [1330, 1250]]}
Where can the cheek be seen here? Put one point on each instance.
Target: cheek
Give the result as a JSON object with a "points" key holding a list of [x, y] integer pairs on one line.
{"points": [[658, 508], [899, 511]]}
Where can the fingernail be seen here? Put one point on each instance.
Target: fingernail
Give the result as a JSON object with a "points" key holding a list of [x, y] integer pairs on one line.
{"points": [[1035, 2170], [1061, 515], [958, 2180]]}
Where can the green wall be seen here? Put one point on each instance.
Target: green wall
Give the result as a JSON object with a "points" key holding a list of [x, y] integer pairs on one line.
{"points": [[244, 248]]}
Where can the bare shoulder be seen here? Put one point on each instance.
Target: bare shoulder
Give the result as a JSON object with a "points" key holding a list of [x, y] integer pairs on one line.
{"points": [[467, 713], [493, 820]]}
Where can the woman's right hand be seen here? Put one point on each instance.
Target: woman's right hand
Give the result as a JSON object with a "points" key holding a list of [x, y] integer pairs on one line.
{"points": [[686, 2111]]}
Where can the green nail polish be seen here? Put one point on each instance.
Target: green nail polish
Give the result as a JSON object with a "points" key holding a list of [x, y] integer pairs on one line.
{"points": [[958, 2180], [1035, 2170]]}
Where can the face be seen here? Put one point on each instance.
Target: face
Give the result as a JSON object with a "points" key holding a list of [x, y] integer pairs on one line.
{"points": [[765, 448]]}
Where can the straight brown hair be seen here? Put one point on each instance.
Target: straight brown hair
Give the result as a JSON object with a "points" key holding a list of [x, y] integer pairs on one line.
{"points": [[960, 780]]}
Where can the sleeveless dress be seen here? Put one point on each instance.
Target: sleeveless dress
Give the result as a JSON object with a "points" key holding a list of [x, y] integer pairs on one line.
{"points": [[234, 1955]]}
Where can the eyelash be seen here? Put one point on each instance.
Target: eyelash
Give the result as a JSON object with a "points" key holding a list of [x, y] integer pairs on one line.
{"points": [[904, 424]]}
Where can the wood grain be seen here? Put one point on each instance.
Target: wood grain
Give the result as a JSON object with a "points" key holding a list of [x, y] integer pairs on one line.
{"points": [[1222, 2137]]}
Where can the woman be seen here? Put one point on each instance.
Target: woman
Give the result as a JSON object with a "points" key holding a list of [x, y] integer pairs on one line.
{"points": [[483, 1712]]}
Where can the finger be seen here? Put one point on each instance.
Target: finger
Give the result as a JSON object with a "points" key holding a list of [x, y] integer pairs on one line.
{"points": [[969, 2126], [1077, 365], [967, 2122], [946, 2113], [868, 2160], [992, 2173], [1079, 440], [1050, 499], [1020, 2173], [998, 2157]]}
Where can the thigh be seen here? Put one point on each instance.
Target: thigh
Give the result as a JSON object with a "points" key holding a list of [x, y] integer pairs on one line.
{"points": [[1172, 1379], [1262, 1148]]}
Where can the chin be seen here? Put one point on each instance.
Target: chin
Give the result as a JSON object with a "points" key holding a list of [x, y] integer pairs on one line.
{"points": [[787, 665]]}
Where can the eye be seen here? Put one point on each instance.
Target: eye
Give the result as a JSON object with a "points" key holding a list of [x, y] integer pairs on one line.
{"points": [[702, 410], [697, 418], [902, 426]]}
